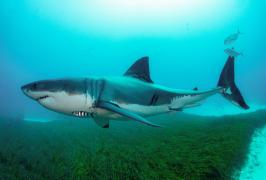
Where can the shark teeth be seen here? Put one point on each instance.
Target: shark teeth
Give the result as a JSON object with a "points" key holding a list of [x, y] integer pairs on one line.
{"points": [[80, 113]]}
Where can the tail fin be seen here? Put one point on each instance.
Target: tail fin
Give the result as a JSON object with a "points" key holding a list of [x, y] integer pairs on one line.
{"points": [[227, 81]]}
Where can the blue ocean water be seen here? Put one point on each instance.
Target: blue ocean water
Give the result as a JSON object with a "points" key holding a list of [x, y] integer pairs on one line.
{"points": [[184, 39]]}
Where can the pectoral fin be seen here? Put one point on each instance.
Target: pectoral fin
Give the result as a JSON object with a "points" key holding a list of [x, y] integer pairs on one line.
{"points": [[116, 109], [102, 122]]}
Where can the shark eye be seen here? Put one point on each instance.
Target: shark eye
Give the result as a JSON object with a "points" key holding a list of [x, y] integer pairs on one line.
{"points": [[34, 86]]}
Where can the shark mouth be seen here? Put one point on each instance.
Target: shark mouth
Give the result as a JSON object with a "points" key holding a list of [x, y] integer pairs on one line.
{"points": [[42, 97], [80, 113]]}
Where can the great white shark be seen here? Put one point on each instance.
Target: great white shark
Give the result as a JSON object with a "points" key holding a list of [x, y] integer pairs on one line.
{"points": [[132, 96]]}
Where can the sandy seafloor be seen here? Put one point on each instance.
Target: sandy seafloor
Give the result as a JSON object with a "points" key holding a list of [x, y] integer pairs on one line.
{"points": [[255, 166]]}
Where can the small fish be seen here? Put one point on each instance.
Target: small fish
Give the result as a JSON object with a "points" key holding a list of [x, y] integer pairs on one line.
{"points": [[232, 52], [232, 38]]}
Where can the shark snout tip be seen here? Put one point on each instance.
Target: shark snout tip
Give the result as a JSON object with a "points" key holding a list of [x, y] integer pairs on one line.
{"points": [[25, 89]]}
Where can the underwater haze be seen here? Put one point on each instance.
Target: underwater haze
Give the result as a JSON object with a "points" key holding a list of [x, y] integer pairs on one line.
{"points": [[184, 40]]}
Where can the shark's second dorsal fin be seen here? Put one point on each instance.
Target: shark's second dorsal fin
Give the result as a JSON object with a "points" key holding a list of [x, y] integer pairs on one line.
{"points": [[140, 70]]}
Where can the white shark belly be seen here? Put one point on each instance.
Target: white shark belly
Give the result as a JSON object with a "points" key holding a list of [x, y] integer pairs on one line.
{"points": [[177, 103], [65, 103], [190, 100], [135, 108], [146, 110], [187, 100]]}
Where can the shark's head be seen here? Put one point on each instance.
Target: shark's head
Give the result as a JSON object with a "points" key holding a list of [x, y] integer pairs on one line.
{"points": [[66, 95]]}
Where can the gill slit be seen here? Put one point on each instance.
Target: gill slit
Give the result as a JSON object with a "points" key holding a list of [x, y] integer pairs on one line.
{"points": [[86, 92], [100, 88], [96, 90]]}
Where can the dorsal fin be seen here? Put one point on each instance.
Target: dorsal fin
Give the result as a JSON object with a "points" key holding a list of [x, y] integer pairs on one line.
{"points": [[140, 70]]}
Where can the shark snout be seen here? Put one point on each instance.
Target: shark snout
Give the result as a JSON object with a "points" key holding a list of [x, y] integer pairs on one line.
{"points": [[25, 88], [28, 90], [29, 87], [35, 91]]}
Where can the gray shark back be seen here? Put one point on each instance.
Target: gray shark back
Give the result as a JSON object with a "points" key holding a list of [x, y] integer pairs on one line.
{"points": [[126, 90], [71, 86]]}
